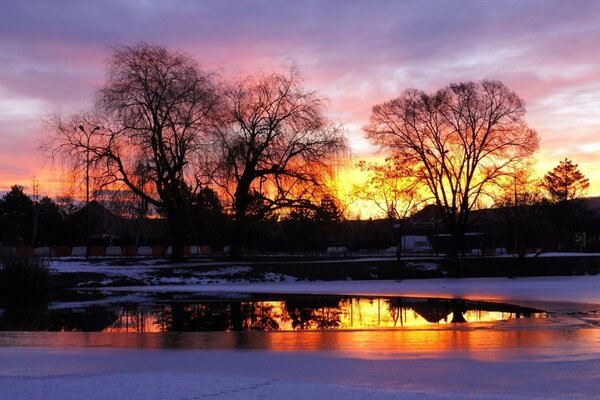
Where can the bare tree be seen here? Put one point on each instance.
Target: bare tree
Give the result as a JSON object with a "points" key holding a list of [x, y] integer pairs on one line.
{"points": [[394, 188], [463, 137], [273, 140], [148, 121]]}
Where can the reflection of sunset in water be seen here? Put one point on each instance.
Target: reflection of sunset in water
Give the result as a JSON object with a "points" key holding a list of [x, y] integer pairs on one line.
{"points": [[481, 344], [310, 314]]}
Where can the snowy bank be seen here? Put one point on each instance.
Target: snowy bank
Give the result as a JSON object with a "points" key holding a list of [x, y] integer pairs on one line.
{"points": [[564, 289]]}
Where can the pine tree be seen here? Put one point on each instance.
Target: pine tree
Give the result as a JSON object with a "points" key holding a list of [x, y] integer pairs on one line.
{"points": [[329, 210], [565, 182]]}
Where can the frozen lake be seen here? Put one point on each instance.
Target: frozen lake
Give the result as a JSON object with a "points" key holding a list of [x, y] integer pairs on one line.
{"points": [[527, 338]]}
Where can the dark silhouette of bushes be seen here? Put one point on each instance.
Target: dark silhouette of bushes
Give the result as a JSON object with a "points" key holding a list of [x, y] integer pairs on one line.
{"points": [[23, 274]]}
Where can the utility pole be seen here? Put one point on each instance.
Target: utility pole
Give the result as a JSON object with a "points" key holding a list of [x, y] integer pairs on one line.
{"points": [[87, 186], [36, 189]]}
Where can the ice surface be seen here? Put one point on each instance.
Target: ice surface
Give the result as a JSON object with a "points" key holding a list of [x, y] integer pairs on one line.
{"points": [[170, 374]]}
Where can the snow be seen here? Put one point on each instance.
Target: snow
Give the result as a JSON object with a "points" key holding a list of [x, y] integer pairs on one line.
{"points": [[424, 266], [110, 299], [151, 272], [569, 289], [558, 254], [227, 271]]}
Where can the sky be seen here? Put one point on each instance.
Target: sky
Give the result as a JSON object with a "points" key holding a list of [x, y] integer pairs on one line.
{"points": [[356, 53]]}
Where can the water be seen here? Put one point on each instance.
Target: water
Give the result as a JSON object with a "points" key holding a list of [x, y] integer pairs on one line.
{"points": [[177, 313], [372, 326], [390, 343]]}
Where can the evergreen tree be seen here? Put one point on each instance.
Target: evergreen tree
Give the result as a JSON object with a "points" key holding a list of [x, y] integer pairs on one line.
{"points": [[328, 211], [16, 216], [207, 216], [51, 229], [565, 182]]}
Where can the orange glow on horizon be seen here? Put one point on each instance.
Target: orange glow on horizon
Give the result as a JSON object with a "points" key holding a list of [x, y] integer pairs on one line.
{"points": [[52, 182]]}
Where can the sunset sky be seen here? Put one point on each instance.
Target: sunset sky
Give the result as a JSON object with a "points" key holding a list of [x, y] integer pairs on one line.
{"points": [[356, 53]]}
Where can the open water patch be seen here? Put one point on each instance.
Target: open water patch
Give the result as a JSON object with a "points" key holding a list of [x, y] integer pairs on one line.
{"points": [[241, 312]]}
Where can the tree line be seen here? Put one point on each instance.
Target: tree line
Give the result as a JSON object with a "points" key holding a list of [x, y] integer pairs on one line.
{"points": [[115, 220]]}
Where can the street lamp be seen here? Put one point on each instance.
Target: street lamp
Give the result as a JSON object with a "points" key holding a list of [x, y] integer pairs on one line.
{"points": [[87, 185]]}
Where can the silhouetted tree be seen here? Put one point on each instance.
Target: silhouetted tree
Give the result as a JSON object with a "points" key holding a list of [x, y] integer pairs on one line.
{"points": [[462, 138], [328, 210], [395, 189], [207, 216], [260, 222], [300, 227], [16, 217], [274, 140], [522, 207], [308, 228], [66, 205], [313, 313], [51, 229], [565, 182], [152, 112]]}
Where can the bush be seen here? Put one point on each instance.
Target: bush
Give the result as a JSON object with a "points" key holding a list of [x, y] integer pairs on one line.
{"points": [[19, 273]]}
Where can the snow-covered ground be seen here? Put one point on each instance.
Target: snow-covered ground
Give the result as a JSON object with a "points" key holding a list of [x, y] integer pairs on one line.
{"points": [[160, 272]]}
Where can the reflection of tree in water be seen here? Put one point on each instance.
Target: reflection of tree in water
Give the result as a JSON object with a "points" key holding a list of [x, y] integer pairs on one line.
{"points": [[132, 319], [92, 319], [437, 310], [217, 316], [259, 316], [26, 313], [458, 308], [22, 313], [312, 313], [181, 317], [432, 310], [397, 310]]}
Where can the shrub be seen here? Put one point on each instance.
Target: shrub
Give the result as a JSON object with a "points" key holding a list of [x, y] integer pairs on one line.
{"points": [[20, 273]]}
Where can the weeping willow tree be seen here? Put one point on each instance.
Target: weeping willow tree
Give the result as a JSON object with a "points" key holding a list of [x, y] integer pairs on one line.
{"points": [[144, 131]]}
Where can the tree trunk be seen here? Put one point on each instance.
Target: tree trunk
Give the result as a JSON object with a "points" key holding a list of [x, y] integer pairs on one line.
{"points": [[237, 316], [177, 229], [458, 308], [397, 235], [456, 248], [177, 241], [239, 226], [238, 234]]}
